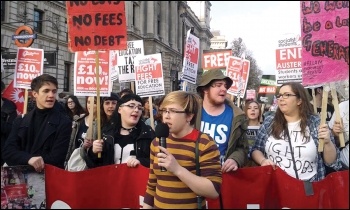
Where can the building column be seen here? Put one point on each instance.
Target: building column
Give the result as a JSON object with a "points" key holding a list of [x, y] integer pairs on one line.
{"points": [[150, 18], [174, 24], [164, 14]]}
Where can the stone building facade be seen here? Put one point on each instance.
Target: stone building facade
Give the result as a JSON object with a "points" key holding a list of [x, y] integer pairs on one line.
{"points": [[161, 24]]}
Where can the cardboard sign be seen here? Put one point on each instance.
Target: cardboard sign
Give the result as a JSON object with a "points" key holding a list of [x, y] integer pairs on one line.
{"points": [[149, 75], [325, 37], [85, 73], [215, 59], [267, 89], [238, 71], [288, 64], [30, 64], [251, 94], [96, 25], [191, 57], [124, 61]]}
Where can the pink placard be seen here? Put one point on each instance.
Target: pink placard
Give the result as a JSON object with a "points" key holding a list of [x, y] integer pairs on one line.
{"points": [[325, 41]]}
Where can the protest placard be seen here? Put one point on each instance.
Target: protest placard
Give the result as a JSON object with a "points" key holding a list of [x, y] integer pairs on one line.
{"points": [[191, 58], [288, 59], [251, 94], [149, 75], [85, 73], [30, 64], [215, 59], [124, 69], [325, 38], [238, 71], [96, 25], [267, 89]]}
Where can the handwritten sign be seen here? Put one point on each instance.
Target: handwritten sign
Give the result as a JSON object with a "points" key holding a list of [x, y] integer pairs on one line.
{"points": [[215, 59], [149, 75], [96, 25], [124, 68], [30, 64], [85, 73], [251, 94], [238, 71], [325, 38], [191, 57]]}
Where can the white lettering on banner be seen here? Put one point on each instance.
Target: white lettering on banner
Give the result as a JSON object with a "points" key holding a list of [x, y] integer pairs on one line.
{"points": [[211, 128], [215, 60], [25, 53], [288, 65], [27, 75], [27, 67], [91, 80], [82, 70], [290, 53]]}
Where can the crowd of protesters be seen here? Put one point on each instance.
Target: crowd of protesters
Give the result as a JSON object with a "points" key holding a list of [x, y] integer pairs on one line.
{"points": [[54, 127]]}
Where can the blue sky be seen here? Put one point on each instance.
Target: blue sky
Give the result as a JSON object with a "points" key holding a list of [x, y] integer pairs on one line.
{"points": [[259, 24]]}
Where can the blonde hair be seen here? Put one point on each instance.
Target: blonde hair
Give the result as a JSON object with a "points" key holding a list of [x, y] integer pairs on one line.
{"points": [[188, 101]]}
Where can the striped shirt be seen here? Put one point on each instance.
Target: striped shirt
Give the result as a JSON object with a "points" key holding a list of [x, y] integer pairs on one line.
{"points": [[167, 191]]}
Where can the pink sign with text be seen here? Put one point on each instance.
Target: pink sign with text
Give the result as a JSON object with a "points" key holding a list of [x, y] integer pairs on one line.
{"points": [[325, 41]]}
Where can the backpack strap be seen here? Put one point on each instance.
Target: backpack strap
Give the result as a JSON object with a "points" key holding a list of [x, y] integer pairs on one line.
{"points": [[198, 170]]}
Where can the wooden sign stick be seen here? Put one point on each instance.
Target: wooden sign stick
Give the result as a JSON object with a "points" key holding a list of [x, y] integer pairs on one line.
{"points": [[323, 114], [98, 103], [25, 101], [337, 113], [314, 100], [150, 102]]}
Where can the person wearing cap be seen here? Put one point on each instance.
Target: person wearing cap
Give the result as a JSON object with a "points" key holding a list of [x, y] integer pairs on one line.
{"points": [[225, 122], [8, 115]]}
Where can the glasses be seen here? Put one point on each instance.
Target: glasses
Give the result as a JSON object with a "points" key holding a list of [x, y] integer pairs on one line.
{"points": [[219, 85], [285, 95], [170, 111], [133, 106], [70, 102]]}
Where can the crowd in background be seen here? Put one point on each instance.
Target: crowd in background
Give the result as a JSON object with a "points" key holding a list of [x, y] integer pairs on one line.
{"points": [[287, 135]]}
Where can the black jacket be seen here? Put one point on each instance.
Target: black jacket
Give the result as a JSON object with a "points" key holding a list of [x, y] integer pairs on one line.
{"points": [[143, 135], [8, 115], [52, 147]]}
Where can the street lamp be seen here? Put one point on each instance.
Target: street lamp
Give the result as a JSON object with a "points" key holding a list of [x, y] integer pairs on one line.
{"points": [[57, 33]]}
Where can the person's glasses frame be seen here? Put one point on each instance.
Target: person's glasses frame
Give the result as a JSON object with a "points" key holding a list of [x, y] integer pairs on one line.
{"points": [[285, 95], [133, 106], [70, 102], [171, 111]]}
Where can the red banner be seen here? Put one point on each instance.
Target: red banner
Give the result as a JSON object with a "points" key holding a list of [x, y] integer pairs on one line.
{"points": [[255, 187], [16, 95], [96, 25]]}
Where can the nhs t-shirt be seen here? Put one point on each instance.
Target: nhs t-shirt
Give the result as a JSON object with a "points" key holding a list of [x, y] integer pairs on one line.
{"points": [[219, 128]]}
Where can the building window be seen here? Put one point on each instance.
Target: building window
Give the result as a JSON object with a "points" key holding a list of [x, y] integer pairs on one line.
{"points": [[158, 25], [3, 11], [66, 77], [38, 16], [134, 15], [65, 22]]}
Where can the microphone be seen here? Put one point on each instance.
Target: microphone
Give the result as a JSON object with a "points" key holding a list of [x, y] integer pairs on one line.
{"points": [[162, 132]]}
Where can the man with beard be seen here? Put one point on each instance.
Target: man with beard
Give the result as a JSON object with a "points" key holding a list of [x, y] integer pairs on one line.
{"points": [[222, 120]]}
